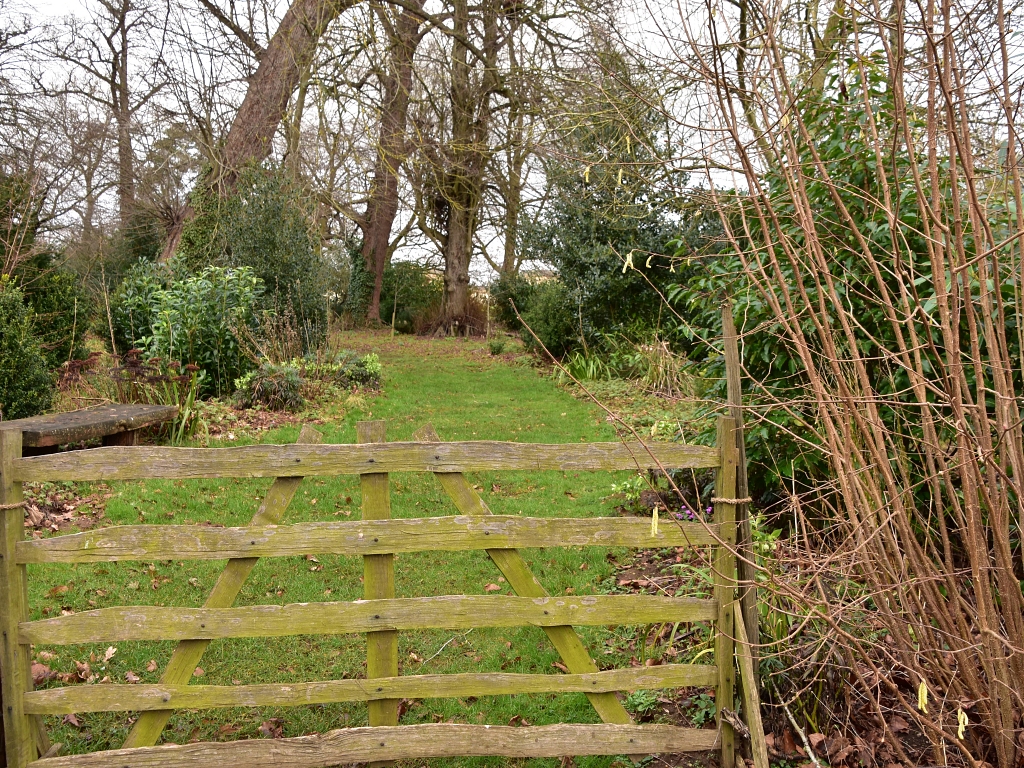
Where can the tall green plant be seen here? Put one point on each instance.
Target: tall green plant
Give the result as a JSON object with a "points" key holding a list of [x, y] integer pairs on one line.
{"points": [[26, 383], [195, 322], [263, 226]]}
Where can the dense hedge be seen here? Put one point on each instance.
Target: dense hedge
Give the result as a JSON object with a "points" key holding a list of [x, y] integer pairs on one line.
{"points": [[26, 383], [262, 226]]}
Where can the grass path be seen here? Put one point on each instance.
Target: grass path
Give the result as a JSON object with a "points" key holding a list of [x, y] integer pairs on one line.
{"points": [[466, 395]]}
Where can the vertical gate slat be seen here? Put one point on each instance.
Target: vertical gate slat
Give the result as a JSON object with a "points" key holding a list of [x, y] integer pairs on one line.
{"points": [[725, 584], [15, 659], [378, 580]]}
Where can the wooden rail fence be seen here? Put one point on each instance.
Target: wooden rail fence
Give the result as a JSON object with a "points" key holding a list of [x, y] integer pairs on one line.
{"points": [[381, 616]]}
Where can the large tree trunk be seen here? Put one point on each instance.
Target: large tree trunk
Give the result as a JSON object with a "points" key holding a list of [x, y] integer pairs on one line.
{"points": [[457, 255], [288, 54], [470, 152], [382, 206]]}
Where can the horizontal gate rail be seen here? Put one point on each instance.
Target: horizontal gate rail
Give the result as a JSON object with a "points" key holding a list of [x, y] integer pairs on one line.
{"points": [[148, 622], [357, 459], [404, 742], [360, 537], [128, 698]]}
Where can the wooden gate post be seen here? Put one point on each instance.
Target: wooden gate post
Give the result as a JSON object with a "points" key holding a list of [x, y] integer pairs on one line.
{"points": [[15, 659], [378, 580], [746, 570], [724, 571]]}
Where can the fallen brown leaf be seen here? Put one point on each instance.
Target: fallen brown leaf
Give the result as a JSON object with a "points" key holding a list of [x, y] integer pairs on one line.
{"points": [[273, 728], [492, 588], [198, 672], [788, 745], [40, 673], [73, 720], [131, 677], [228, 729], [152, 666]]}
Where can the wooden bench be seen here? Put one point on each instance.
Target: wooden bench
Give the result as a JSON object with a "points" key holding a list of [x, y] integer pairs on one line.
{"points": [[114, 423]]}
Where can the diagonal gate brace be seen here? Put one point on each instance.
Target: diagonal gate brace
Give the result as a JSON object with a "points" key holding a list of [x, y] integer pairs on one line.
{"points": [[187, 655], [518, 574]]}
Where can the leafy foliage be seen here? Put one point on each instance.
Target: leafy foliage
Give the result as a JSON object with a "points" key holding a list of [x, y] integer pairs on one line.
{"points": [[262, 226], [643, 704], [412, 291], [26, 384], [194, 322], [510, 291], [612, 213], [61, 312], [133, 302], [277, 387], [549, 316], [855, 256], [344, 369]]}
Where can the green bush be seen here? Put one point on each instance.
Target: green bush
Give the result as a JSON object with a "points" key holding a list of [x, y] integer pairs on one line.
{"points": [[263, 226], [549, 316], [277, 387], [509, 289], [26, 384], [779, 450], [61, 314], [345, 369], [418, 291], [131, 305], [194, 321], [496, 346]]}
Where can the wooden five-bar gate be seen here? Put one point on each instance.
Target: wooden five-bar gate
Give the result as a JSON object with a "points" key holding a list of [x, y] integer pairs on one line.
{"points": [[377, 538]]}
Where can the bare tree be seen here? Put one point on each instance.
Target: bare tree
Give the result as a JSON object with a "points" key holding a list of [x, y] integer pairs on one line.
{"points": [[404, 33], [102, 53]]}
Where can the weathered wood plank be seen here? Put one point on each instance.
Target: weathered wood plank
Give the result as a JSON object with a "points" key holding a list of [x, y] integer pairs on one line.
{"points": [[378, 580], [15, 655], [127, 698], [724, 575], [88, 423], [297, 461], [359, 537], [746, 570], [186, 656], [405, 742], [446, 612], [751, 695], [521, 579]]}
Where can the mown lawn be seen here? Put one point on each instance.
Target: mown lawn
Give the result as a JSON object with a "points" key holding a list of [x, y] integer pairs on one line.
{"points": [[467, 395]]}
